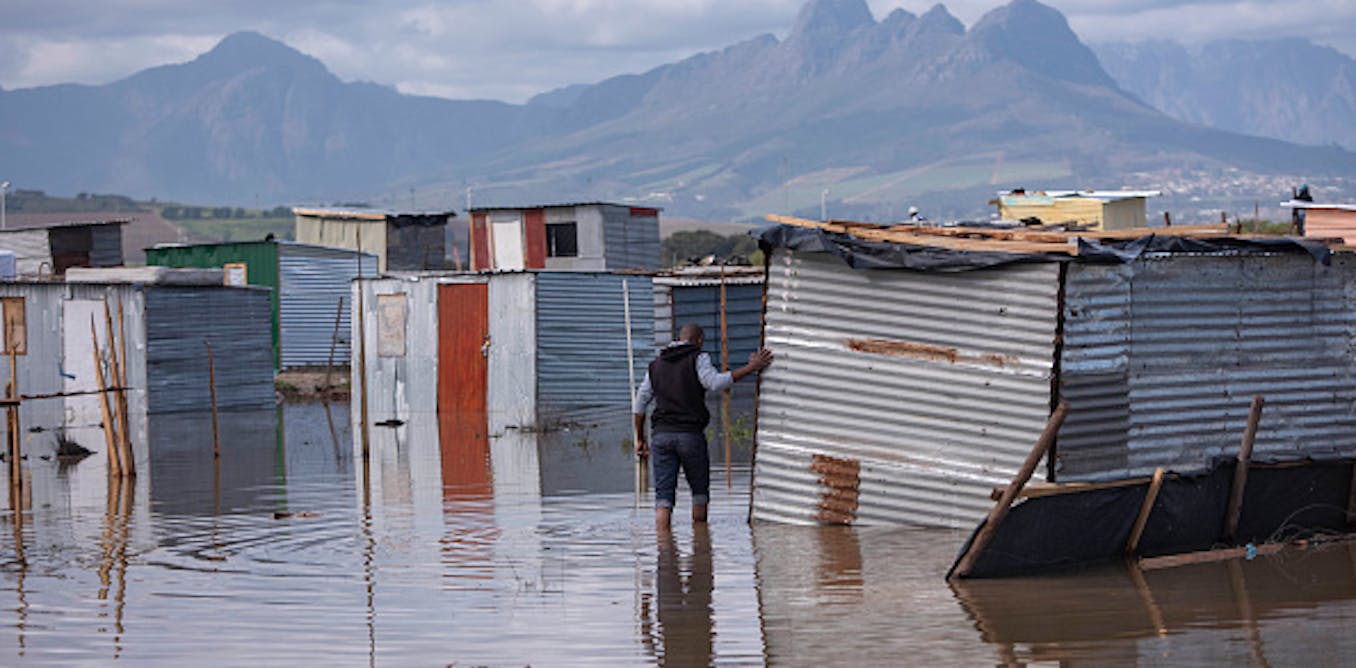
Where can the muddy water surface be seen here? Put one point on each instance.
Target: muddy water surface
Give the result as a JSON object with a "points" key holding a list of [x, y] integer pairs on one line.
{"points": [[290, 550]]}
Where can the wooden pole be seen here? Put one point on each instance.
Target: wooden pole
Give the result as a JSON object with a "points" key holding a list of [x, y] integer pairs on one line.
{"points": [[631, 388], [1150, 496], [334, 343], [212, 388], [119, 399], [724, 367], [110, 439], [16, 473], [1000, 509], [1241, 469], [362, 355], [129, 462], [1167, 219]]}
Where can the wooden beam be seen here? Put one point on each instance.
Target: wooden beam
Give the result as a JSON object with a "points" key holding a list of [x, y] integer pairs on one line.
{"points": [[1150, 496], [1241, 469], [1000, 510]]}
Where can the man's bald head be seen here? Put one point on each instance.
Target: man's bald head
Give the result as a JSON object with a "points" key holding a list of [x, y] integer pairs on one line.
{"points": [[692, 333]]}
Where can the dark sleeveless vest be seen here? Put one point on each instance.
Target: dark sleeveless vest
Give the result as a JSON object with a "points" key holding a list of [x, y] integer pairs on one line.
{"points": [[680, 398]]}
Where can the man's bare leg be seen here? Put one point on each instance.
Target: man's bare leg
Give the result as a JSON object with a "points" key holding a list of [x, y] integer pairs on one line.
{"points": [[663, 516], [698, 513]]}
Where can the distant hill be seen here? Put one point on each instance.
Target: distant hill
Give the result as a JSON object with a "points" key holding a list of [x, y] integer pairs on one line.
{"points": [[866, 115], [1290, 89]]}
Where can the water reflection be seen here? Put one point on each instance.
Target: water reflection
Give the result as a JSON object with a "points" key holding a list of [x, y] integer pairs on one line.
{"points": [[449, 547], [682, 595]]}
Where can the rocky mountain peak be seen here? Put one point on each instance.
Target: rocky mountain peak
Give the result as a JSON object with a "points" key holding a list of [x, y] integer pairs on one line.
{"points": [[820, 19], [938, 20], [1038, 37]]}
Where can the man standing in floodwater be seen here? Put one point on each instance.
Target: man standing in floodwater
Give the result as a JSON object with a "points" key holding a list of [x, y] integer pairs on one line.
{"points": [[676, 384]]}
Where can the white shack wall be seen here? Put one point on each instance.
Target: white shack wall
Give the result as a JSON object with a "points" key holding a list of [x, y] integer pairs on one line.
{"points": [[511, 397], [920, 430]]}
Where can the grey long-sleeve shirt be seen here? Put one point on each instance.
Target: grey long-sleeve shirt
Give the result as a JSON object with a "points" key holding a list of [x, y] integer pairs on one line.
{"points": [[712, 380]]}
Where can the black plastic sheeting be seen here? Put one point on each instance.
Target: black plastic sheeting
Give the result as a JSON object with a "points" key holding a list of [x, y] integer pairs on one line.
{"points": [[860, 254], [1074, 530]]}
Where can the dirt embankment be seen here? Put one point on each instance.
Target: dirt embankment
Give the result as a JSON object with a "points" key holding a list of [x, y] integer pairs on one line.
{"points": [[313, 384]]}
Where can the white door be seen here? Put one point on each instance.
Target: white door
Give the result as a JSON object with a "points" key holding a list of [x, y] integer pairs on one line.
{"points": [[508, 244]]}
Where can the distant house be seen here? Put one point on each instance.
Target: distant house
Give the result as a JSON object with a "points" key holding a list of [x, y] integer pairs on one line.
{"points": [[1328, 221], [402, 241], [52, 249], [309, 285], [1096, 209], [591, 236]]}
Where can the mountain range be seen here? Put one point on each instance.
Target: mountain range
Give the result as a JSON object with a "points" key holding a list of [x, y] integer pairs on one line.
{"points": [[868, 116]]}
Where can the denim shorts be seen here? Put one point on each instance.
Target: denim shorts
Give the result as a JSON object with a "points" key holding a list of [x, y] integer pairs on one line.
{"points": [[671, 451]]}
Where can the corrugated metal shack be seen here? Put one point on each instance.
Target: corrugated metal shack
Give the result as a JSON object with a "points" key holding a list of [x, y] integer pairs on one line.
{"points": [[167, 316], [307, 284], [588, 236], [525, 350], [1096, 209], [692, 294], [53, 249], [912, 382], [401, 240]]}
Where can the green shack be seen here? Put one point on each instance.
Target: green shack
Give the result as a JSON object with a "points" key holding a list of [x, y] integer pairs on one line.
{"points": [[309, 284]]}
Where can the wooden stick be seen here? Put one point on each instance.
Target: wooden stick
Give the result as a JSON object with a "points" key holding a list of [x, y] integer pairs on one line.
{"points": [[1150, 496], [334, 343], [115, 373], [1000, 510], [114, 458], [724, 367], [129, 461], [362, 355], [1167, 219], [1241, 469], [212, 387], [16, 477]]}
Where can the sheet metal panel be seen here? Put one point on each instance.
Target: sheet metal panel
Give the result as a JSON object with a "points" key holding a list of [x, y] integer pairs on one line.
{"points": [[397, 387], [235, 320], [631, 242], [313, 280], [897, 396], [581, 339], [512, 382], [1188, 340], [60, 359], [414, 247], [32, 250], [743, 315]]}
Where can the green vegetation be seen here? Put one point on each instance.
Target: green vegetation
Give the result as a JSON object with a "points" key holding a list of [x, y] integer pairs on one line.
{"points": [[37, 201], [693, 245]]}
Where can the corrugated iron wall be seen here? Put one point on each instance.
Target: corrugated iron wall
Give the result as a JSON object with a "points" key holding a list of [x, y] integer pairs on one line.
{"points": [[899, 397], [1162, 356], [261, 268], [414, 247], [743, 314], [235, 320], [631, 242], [312, 282], [32, 249], [581, 339]]}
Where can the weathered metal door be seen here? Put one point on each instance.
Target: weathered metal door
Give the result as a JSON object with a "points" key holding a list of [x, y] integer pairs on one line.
{"points": [[463, 345]]}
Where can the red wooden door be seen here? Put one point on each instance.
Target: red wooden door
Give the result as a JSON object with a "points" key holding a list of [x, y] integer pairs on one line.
{"points": [[463, 430]]}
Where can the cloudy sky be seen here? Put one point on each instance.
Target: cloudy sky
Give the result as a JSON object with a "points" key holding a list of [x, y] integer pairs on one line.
{"points": [[512, 50]]}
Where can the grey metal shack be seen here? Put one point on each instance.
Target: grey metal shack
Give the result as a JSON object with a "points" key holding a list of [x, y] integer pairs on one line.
{"points": [[310, 286], [915, 370], [401, 240], [167, 317]]}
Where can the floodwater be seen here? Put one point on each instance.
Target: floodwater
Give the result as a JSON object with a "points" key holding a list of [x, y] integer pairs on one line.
{"points": [[290, 550]]}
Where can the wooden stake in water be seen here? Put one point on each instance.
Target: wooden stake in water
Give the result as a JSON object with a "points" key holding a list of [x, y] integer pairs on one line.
{"points": [[212, 388], [1235, 508], [631, 385], [362, 355], [725, 367], [334, 343], [110, 439], [129, 464]]}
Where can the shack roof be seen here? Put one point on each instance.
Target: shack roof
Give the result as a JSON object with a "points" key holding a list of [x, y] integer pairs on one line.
{"points": [[29, 225], [1104, 195], [557, 205], [1305, 204], [371, 214], [260, 242], [964, 248]]}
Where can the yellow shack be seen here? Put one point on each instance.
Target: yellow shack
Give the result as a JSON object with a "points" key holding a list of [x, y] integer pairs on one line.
{"points": [[1097, 209]]}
